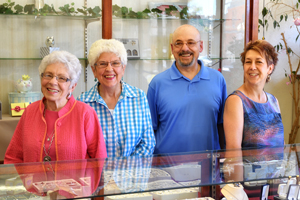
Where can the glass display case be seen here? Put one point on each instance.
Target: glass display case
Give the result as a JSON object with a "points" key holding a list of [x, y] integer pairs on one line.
{"points": [[207, 174]]}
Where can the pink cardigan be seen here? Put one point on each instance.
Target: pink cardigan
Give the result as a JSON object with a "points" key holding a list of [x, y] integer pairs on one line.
{"points": [[78, 134]]}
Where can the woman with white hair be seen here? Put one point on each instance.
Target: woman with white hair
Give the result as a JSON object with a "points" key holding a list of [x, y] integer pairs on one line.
{"points": [[122, 109], [57, 127]]}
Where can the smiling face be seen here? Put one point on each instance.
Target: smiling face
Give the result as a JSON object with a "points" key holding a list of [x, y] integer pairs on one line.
{"points": [[56, 92], [109, 76], [186, 56], [256, 68]]}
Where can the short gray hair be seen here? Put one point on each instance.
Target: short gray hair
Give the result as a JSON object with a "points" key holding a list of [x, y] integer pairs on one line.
{"points": [[70, 61], [107, 46]]}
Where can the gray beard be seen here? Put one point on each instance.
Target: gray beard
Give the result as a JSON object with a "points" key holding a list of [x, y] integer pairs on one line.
{"points": [[186, 64]]}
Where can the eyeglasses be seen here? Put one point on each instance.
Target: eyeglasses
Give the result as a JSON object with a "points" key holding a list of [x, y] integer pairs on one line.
{"points": [[114, 64], [60, 79], [190, 44]]}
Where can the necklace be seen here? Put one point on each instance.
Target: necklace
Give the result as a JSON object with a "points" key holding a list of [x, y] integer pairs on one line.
{"points": [[47, 157], [48, 137]]}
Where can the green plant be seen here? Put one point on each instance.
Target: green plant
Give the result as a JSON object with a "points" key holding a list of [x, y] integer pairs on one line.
{"points": [[7, 8], [124, 12], [277, 12], [67, 9]]}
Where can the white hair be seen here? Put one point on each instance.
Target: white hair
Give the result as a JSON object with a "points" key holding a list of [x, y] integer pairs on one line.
{"points": [[70, 61], [107, 46]]}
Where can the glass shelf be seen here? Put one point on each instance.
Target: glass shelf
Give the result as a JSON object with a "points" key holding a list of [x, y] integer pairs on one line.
{"points": [[78, 17]]}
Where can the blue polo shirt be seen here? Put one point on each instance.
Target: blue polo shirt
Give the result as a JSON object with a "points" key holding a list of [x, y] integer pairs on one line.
{"points": [[184, 112]]}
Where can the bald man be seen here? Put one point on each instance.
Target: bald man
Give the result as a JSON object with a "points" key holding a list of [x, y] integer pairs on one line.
{"points": [[187, 100]]}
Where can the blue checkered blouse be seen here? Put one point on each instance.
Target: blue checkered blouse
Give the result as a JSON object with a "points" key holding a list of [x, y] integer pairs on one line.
{"points": [[128, 131]]}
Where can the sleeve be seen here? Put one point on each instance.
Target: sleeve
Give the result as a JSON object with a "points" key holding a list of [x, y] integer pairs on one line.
{"points": [[147, 143], [94, 136], [223, 90], [152, 105], [14, 152]]}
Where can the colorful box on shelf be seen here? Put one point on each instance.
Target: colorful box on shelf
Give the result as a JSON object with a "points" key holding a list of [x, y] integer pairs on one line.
{"points": [[16, 97], [47, 50], [17, 109]]}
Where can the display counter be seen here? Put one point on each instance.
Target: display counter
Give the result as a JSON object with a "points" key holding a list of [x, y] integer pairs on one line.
{"points": [[209, 174]]}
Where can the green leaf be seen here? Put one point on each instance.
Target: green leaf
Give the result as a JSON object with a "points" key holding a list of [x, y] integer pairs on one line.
{"points": [[286, 16], [115, 7], [297, 37], [133, 14], [8, 11], [142, 15], [29, 9], [264, 11], [146, 11], [172, 8], [18, 8], [274, 24], [124, 10], [281, 18], [97, 10], [156, 10], [260, 22], [184, 13], [297, 5]]}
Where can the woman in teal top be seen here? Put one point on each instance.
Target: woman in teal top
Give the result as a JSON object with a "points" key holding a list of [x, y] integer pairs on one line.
{"points": [[252, 116]]}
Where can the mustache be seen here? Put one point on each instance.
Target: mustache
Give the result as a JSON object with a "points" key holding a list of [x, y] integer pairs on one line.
{"points": [[185, 52]]}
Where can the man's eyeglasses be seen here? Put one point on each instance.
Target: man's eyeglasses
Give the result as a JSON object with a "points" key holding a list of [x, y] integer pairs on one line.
{"points": [[49, 76], [114, 64], [190, 44]]}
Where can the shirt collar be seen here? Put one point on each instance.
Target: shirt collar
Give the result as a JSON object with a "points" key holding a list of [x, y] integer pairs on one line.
{"points": [[94, 95], [202, 74], [64, 109]]}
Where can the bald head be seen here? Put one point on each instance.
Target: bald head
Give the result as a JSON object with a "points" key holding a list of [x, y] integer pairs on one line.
{"points": [[186, 29]]}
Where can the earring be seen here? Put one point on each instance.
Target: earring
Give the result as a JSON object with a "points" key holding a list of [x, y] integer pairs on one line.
{"points": [[268, 78], [95, 79], [69, 96]]}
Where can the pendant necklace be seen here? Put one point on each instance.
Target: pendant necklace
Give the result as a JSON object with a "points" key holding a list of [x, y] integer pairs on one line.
{"points": [[47, 157]]}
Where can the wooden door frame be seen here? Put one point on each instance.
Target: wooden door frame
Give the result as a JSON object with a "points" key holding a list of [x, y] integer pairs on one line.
{"points": [[251, 20]]}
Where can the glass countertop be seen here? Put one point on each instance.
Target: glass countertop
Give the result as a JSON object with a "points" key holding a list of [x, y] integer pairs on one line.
{"points": [[127, 175]]}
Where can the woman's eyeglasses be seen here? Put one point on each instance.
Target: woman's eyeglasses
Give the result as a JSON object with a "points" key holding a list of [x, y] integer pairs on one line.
{"points": [[114, 64], [49, 76]]}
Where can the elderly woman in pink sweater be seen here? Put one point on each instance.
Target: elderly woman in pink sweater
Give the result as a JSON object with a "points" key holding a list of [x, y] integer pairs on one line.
{"points": [[58, 127]]}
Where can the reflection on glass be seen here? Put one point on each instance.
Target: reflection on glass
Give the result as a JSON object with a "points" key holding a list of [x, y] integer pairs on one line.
{"points": [[158, 175]]}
